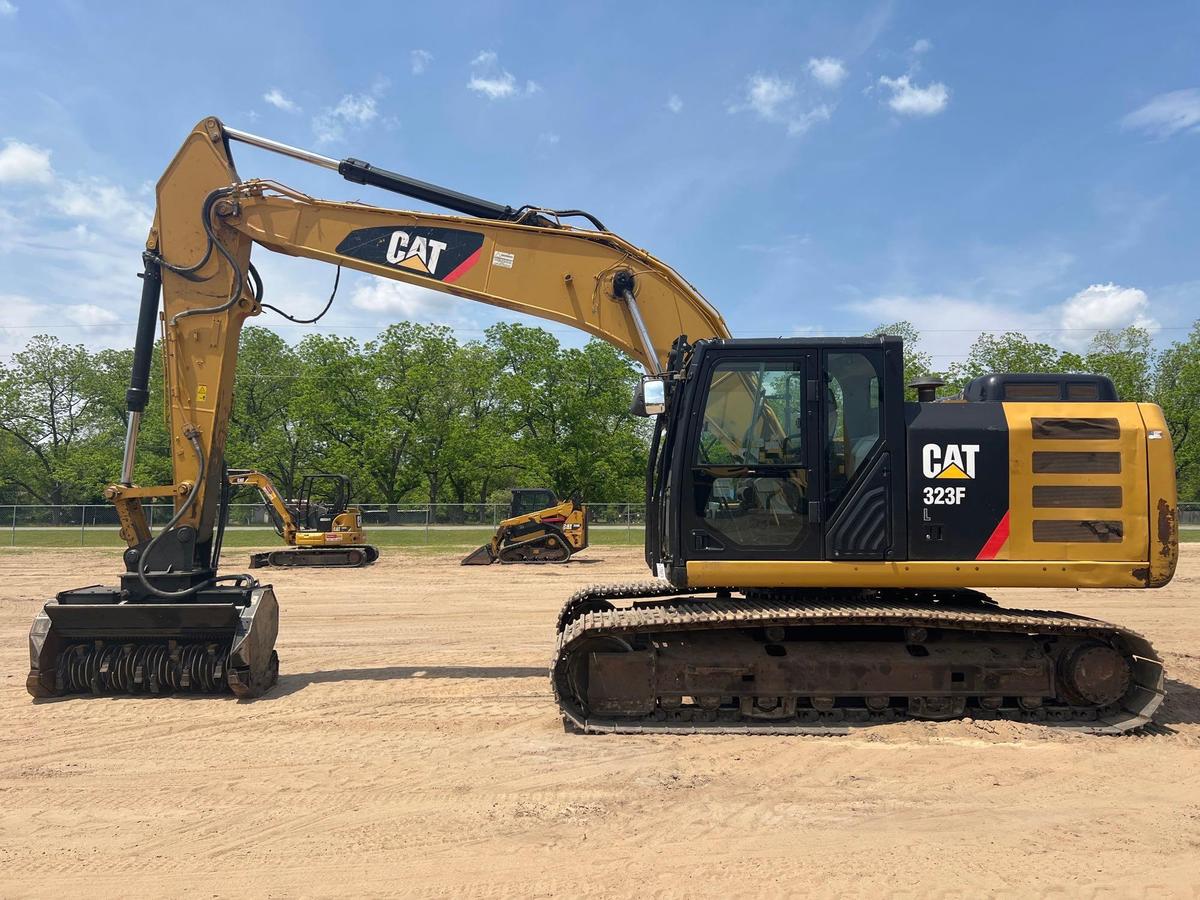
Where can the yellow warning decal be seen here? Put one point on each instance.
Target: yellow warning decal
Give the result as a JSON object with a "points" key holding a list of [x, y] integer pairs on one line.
{"points": [[201, 393]]}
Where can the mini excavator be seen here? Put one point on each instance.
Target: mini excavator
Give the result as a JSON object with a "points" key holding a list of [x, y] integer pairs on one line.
{"points": [[539, 529], [821, 545], [320, 528]]}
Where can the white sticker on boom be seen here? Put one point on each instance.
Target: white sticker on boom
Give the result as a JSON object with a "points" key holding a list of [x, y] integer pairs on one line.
{"points": [[502, 259]]}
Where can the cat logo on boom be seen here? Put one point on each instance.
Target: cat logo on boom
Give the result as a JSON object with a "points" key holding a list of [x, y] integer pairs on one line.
{"points": [[949, 461], [414, 252], [443, 254]]}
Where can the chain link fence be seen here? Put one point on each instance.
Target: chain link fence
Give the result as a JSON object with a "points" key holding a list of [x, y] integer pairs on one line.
{"points": [[95, 525], [86, 525]]}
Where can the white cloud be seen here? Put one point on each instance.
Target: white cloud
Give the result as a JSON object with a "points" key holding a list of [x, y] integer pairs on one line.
{"points": [[94, 199], [1104, 306], [924, 45], [675, 103], [766, 95], [20, 313], [549, 138], [278, 100], [910, 99], [828, 70], [774, 100], [493, 81], [419, 61], [1167, 114], [89, 315], [357, 110], [497, 88], [353, 110], [24, 164], [950, 324], [7, 8], [397, 298], [804, 121]]}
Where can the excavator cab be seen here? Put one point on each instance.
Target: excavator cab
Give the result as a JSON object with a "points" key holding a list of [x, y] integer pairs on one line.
{"points": [[323, 497]]}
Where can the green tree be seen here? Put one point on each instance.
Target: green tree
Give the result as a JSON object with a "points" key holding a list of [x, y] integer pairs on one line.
{"points": [[1012, 352], [358, 422], [570, 410], [1125, 356], [265, 432], [480, 448], [1177, 391], [50, 409], [108, 383], [917, 363]]}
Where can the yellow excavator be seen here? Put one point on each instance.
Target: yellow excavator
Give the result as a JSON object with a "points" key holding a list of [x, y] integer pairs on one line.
{"points": [[320, 527], [821, 545], [539, 529]]}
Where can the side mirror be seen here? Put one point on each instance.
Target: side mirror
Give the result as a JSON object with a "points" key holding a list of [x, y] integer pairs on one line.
{"points": [[650, 397]]}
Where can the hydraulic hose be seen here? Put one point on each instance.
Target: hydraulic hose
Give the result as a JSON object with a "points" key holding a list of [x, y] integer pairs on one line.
{"points": [[194, 438]]}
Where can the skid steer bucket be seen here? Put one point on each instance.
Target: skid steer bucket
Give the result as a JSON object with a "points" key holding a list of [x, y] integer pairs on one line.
{"points": [[481, 557], [93, 641]]}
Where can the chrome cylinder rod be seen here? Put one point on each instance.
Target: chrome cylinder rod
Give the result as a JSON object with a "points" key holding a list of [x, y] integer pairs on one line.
{"points": [[286, 149], [652, 366], [131, 436]]}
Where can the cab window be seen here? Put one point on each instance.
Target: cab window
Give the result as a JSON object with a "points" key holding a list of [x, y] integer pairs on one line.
{"points": [[749, 473], [853, 415]]}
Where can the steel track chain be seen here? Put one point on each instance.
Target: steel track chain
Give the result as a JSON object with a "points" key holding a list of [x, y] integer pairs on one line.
{"points": [[668, 610]]}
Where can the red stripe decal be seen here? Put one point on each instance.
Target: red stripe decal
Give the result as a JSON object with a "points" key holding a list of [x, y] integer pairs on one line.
{"points": [[463, 266], [996, 541]]}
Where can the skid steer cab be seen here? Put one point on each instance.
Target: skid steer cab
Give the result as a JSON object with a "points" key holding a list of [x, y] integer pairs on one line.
{"points": [[539, 529]]}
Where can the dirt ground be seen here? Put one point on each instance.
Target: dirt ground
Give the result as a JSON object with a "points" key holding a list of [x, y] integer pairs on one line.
{"points": [[412, 748]]}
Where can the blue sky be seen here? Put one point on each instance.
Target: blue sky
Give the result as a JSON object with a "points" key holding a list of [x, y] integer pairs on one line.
{"points": [[816, 168]]}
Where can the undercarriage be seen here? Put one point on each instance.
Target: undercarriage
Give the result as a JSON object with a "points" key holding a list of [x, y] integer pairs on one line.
{"points": [[646, 658], [316, 557]]}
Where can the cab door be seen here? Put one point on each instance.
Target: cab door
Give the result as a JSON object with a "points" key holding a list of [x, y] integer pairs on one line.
{"points": [[862, 443], [750, 484]]}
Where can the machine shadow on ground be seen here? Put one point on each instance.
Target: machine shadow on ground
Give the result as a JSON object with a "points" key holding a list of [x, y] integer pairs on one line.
{"points": [[298, 681], [1181, 706]]}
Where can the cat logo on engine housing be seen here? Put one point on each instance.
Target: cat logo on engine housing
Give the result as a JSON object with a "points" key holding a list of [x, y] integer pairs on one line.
{"points": [[949, 460]]}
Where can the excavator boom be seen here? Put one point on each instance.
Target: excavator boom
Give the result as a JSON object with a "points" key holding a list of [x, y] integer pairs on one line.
{"points": [[197, 262]]}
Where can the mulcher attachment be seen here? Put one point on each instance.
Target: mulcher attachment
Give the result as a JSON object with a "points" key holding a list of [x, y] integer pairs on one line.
{"points": [[316, 557], [92, 641]]}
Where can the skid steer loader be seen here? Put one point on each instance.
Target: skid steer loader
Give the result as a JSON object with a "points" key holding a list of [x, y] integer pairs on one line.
{"points": [[539, 529]]}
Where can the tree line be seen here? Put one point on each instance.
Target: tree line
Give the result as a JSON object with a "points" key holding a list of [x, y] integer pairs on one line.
{"points": [[412, 416], [417, 416]]}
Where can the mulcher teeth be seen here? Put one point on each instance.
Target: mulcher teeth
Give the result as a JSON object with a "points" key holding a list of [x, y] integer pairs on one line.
{"points": [[142, 668]]}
